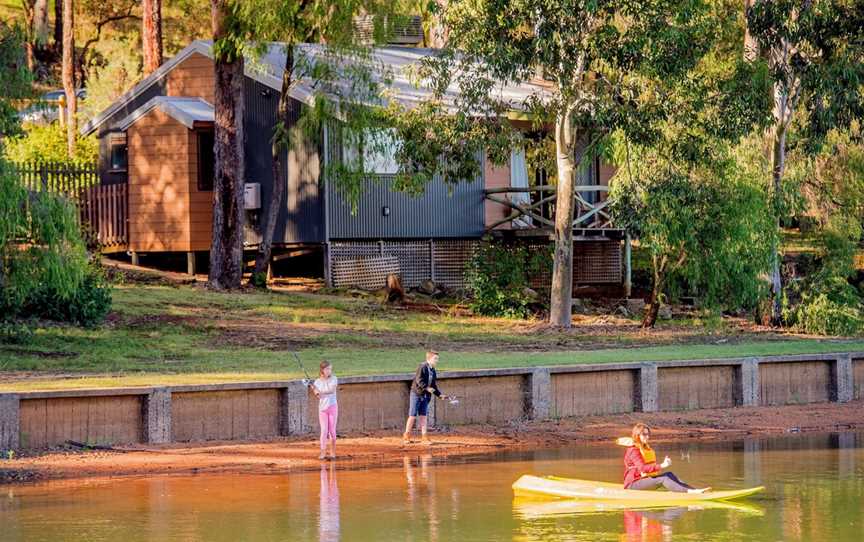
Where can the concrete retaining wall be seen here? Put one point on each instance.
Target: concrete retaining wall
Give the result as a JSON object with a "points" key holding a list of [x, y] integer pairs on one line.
{"points": [[262, 410]]}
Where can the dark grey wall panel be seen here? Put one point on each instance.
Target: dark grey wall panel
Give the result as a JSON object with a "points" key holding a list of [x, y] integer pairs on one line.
{"points": [[436, 213], [301, 218]]}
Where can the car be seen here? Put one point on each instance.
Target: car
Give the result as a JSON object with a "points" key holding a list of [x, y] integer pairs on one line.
{"points": [[46, 109]]}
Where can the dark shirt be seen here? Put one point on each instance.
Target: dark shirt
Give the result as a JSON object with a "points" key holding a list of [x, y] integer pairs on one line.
{"points": [[425, 377]]}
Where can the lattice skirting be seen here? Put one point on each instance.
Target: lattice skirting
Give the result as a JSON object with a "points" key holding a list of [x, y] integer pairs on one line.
{"points": [[365, 264], [443, 261]]}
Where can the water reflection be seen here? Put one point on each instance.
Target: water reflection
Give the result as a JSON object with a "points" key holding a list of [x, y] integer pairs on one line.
{"points": [[328, 515], [421, 492]]}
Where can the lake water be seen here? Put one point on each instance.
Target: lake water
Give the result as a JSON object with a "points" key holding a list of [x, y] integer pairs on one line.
{"points": [[815, 492]]}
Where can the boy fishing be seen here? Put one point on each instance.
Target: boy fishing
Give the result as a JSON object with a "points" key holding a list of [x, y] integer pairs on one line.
{"points": [[425, 384]]}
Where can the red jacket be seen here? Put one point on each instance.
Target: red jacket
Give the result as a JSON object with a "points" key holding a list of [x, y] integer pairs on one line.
{"points": [[635, 467]]}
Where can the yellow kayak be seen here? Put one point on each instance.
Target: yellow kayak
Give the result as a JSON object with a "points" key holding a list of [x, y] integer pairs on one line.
{"points": [[535, 509], [553, 487]]}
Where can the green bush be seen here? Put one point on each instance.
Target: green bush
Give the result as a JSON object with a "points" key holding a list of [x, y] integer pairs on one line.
{"points": [[48, 144], [834, 309], [499, 278], [45, 271]]}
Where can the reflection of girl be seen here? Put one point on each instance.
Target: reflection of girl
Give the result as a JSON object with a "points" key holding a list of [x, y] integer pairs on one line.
{"points": [[641, 470], [328, 519], [324, 388]]}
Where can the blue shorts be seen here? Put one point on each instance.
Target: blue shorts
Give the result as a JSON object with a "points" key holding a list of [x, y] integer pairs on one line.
{"points": [[418, 405]]}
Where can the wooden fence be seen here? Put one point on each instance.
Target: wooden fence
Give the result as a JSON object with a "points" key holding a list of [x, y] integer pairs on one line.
{"points": [[102, 209], [104, 212], [68, 178]]}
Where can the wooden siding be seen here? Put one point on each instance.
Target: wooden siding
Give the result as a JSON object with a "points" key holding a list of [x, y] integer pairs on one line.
{"points": [[592, 393], [679, 389], [166, 210], [92, 420], [193, 77], [795, 383]]}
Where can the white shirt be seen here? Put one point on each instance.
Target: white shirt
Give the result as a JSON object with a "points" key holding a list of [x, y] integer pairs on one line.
{"points": [[326, 392]]}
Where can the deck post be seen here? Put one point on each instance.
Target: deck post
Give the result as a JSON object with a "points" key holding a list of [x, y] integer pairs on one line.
{"points": [[539, 403], [750, 386], [190, 263], [10, 422], [328, 276], [293, 409], [134, 257], [647, 393], [842, 386], [628, 267], [157, 416]]}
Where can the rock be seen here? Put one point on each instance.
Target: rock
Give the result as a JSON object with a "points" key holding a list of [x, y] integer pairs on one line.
{"points": [[579, 306], [428, 287], [636, 305], [665, 312], [621, 310], [530, 294]]}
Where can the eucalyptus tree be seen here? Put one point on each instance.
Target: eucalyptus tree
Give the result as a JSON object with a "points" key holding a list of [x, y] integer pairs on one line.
{"points": [[606, 65], [815, 53], [151, 34]]}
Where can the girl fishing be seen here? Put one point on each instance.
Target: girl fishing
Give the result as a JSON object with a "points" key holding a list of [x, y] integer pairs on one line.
{"points": [[641, 470], [324, 388]]}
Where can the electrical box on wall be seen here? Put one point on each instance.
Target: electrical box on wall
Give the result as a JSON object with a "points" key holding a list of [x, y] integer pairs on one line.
{"points": [[252, 196]]}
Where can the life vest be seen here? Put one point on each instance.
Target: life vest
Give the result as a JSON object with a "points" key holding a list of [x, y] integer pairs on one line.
{"points": [[648, 456]]}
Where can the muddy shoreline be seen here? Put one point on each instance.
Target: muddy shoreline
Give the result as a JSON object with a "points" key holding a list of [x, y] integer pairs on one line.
{"points": [[381, 448]]}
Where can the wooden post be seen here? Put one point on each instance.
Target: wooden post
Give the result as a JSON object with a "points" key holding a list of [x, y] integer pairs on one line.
{"points": [[328, 277], [190, 263], [134, 257], [628, 268]]}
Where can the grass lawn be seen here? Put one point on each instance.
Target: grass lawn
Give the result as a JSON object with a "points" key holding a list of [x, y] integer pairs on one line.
{"points": [[161, 334]]}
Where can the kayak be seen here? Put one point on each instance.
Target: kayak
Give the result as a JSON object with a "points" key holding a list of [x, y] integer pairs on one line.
{"points": [[536, 509], [553, 487]]}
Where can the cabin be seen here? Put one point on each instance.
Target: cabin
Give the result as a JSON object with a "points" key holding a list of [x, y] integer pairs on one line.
{"points": [[157, 141]]}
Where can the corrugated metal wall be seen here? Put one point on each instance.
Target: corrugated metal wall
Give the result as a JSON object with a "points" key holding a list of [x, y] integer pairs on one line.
{"points": [[436, 213], [301, 219]]}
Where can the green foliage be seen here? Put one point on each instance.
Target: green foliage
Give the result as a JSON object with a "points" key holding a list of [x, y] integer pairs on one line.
{"points": [[47, 143], [15, 78], [44, 266], [499, 279], [114, 69], [705, 225]]}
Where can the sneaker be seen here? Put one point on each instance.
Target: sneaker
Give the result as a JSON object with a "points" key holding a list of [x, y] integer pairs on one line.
{"points": [[699, 491], [406, 439], [322, 456]]}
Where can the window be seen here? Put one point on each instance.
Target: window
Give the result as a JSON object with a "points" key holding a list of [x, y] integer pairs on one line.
{"points": [[118, 152], [119, 156], [379, 151], [205, 160]]}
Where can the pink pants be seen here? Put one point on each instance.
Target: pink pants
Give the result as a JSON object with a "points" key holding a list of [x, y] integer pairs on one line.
{"points": [[327, 420]]}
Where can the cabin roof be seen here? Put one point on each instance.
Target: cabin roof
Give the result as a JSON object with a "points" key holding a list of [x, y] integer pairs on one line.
{"points": [[393, 68], [186, 110]]}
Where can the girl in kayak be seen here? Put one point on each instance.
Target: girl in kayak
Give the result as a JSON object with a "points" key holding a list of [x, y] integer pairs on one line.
{"points": [[641, 470]]}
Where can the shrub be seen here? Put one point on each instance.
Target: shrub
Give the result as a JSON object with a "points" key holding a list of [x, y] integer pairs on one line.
{"points": [[48, 143], [45, 270], [499, 278]]}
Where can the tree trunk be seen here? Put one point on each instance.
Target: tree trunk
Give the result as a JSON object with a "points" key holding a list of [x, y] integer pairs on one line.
{"points": [[58, 25], [561, 304], [151, 34], [653, 308], [779, 165], [281, 141], [41, 27], [69, 75], [226, 251], [751, 46], [30, 32]]}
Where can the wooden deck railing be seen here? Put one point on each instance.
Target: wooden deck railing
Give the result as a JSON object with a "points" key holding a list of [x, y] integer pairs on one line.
{"points": [[103, 210], [538, 209]]}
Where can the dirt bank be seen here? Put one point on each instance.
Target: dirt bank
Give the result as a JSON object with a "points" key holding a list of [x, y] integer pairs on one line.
{"points": [[383, 448]]}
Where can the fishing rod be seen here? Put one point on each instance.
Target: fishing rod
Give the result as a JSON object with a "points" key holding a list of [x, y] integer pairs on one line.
{"points": [[302, 368]]}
